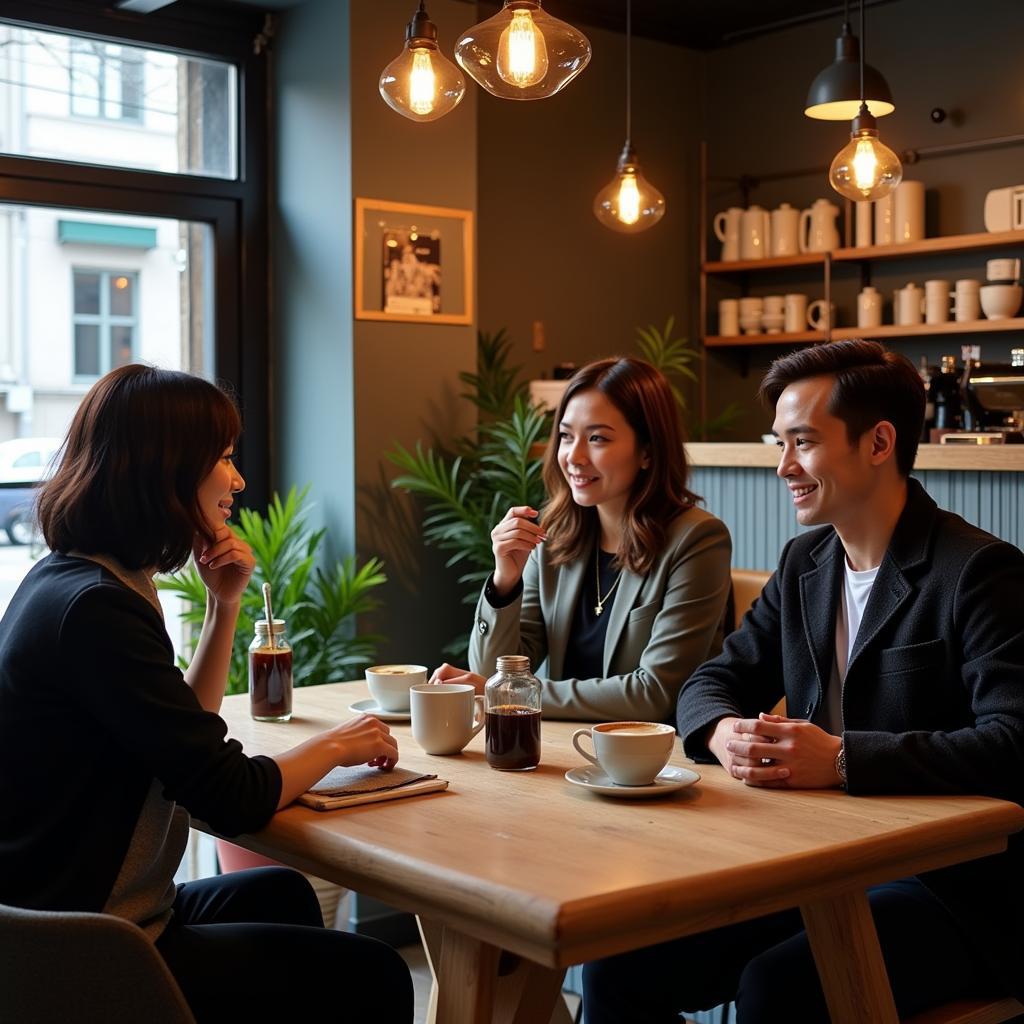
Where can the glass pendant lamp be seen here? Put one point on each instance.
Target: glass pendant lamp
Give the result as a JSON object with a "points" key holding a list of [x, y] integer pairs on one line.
{"points": [[421, 83], [522, 53], [835, 94], [629, 202], [865, 168]]}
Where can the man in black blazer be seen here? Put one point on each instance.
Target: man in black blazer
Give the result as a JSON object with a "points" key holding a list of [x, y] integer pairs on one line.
{"points": [[896, 635]]}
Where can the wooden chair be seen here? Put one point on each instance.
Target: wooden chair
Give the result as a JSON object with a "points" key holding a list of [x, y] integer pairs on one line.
{"points": [[747, 585], [83, 967], [971, 1011]]}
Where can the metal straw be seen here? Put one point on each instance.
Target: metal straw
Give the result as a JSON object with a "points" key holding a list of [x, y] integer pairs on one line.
{"points": [[267, 611]]}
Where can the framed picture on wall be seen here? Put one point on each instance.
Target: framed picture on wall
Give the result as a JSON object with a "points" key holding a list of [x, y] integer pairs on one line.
{"points": [[413, 263]]}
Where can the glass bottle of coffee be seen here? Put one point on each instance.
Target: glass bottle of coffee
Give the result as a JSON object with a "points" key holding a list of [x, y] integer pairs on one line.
{"points": [[512, 703], [270, 673]]}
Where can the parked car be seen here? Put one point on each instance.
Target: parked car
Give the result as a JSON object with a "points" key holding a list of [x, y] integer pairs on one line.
{"points": [[24, 462]]}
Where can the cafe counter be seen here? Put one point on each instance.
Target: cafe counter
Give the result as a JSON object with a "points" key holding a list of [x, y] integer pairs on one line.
{"points": [[982, 483]]}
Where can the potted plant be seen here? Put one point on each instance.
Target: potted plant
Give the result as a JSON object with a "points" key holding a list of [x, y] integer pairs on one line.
{"points": [[320, 606]]}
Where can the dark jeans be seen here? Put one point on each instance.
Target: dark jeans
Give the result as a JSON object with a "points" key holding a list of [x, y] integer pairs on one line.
{"points": [[251, 946], [766, 966]]}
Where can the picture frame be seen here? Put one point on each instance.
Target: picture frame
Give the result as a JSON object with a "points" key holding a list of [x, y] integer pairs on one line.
{"points": [[413, 264]]}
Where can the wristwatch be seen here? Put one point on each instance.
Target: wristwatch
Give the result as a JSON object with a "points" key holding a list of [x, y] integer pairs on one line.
{"points": [[841, 765]]}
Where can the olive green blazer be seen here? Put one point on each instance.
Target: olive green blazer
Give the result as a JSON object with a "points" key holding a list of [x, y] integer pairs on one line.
{"points": [[661, 627]]}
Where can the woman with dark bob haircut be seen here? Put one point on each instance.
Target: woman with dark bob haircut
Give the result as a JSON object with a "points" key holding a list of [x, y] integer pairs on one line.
{"points": [[121, 747], [617, 591]]}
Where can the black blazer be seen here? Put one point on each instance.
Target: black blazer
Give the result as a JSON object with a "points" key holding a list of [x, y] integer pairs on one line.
{"points": [[934, 695]]}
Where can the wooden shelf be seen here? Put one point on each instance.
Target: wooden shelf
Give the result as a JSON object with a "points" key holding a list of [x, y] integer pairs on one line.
{"points": [[932, 246], [782, 338], [926, 330], [803, 259]]}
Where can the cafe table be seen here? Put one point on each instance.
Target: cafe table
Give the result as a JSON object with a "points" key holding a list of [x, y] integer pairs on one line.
{"points": [[518, 875]]}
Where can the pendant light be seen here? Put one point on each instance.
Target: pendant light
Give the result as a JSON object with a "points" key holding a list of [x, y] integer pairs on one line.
{"points": [[421, 83], [629, 202], [836, 92], [522, 53], [864, 168]]}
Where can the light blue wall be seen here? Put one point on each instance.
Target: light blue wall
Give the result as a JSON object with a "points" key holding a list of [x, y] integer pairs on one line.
{"points": [[755, 506]]}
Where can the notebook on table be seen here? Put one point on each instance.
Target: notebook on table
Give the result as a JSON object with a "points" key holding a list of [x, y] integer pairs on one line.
{"points": [[347, 787]]}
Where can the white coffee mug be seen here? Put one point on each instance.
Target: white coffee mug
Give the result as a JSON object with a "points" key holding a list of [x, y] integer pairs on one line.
{"points": [[796, 312], [869, 307], [936, 301], [390, 684], [631, 753], [821, 315], [908, 216], [728, 318], [908, 305], [445, 716], [967, 300]]}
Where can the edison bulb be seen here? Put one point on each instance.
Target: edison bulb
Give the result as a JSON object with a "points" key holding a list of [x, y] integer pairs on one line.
{"points": [[865, 168], [629, 202], [522, 58], [522, 53], [421, 83]]}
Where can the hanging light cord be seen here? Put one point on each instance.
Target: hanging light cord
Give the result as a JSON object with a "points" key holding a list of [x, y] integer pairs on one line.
{"points": [[863, 41], [629, 70]]}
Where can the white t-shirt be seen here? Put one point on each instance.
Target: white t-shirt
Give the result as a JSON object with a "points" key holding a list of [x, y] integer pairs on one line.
{"points": [[853, 599]]}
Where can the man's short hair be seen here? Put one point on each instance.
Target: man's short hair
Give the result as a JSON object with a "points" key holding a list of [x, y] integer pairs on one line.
{"points": [[871, 384]]}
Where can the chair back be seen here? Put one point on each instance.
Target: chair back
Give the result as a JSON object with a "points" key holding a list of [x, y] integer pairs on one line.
{"points": [[84, 968], [747, 585]]}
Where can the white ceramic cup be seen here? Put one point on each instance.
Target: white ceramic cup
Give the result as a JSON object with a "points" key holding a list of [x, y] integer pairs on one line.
{"points": [[1000, 301], [390, 684], [908, 211], [1004, 270], [630, 753], [774, 303], [869, 307], [445, 716], [967, 300], [796, 312], [729, 318], [821, 315], [908, 305], [936, 301]]}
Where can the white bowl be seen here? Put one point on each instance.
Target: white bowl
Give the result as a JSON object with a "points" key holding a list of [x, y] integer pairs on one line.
{"points": [[1000, 301]]}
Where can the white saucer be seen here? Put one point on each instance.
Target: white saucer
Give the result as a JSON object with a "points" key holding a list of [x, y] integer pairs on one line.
{"points": [[591, 777], [369, 707]]}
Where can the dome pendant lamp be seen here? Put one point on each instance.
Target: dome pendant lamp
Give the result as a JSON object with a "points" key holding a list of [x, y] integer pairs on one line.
{"points": [[835, 94], [522, 53], [865, 168], [629, 202], [421, 83]]}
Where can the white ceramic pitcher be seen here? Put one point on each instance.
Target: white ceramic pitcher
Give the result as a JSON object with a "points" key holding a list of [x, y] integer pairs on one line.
{"points": [[755, 231], [818, 231], [727, 230]]}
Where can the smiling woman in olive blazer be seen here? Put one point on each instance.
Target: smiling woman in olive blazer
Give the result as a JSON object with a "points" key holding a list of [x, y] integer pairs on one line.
{"points": [[619, 594]]}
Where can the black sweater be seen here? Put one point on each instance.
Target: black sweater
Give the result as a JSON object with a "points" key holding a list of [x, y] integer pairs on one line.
{"points": [[92, 709]]}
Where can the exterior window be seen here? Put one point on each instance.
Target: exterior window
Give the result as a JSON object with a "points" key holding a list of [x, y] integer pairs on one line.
{"points": [[105, 321], [107, 80]]}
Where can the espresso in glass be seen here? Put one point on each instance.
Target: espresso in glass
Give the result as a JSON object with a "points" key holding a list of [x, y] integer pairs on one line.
{"points": [[512, 741]]}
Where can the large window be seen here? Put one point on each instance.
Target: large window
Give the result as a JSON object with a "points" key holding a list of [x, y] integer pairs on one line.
{"points": [[106, 80], [105, 321]]}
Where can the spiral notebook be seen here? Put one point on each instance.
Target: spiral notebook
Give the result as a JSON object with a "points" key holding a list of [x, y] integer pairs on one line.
{"points": [[347, 787]]}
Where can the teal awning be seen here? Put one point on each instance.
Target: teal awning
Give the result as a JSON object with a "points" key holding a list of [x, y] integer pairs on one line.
{"points": [[87, 232]]}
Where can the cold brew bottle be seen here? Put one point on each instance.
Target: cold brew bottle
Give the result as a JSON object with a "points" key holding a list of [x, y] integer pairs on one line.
{"points": [[512, 703], [270, 673]]}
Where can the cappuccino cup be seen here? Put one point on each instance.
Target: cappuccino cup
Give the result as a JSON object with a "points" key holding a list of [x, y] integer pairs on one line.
{"points": [[390, 684], [630, 753], [445, 716]]}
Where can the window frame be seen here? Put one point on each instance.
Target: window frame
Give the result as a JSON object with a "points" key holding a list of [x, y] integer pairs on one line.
{"points": [[106, 59], [104, 319], [236, 208]]}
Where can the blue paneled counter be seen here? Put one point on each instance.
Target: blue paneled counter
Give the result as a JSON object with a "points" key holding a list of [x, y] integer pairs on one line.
{"points": [[738, 483]]}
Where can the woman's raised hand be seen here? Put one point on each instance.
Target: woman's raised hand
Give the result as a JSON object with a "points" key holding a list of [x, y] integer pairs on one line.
{"points": [[225, 566], [512, 540]]}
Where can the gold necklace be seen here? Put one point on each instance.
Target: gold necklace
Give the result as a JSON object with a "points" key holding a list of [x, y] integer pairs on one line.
{"points": [[599, 607]]}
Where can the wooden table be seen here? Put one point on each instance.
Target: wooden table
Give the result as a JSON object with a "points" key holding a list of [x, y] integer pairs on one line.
{"points": [[527, 863]]}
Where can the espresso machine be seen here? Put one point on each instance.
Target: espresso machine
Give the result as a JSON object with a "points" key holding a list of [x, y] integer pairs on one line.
{"points": [[993, 400]]}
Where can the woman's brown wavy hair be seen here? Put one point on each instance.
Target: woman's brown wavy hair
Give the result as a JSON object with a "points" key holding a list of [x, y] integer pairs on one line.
{"points": [[138, 448], [643, 396]]}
